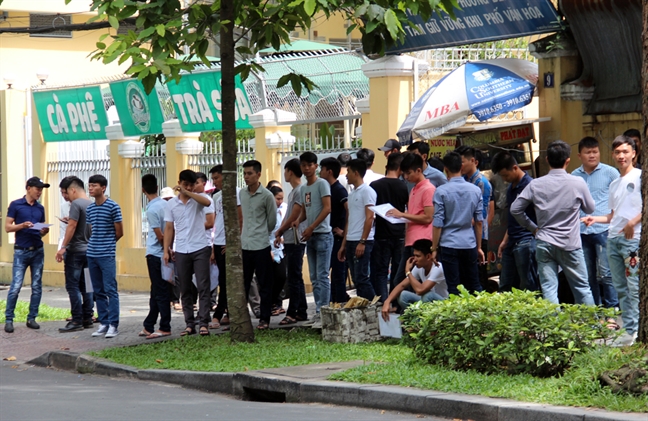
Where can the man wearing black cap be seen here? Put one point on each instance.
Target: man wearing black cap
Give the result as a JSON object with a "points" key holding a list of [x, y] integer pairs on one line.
{"points": [[391, 146], [22, 215]]}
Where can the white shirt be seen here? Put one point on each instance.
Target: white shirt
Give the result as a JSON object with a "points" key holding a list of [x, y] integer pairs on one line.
{"points": [[219, 223], [435, 275], [625, 200], [371, 176], [208, 231], [359, 198], [189, 224]]}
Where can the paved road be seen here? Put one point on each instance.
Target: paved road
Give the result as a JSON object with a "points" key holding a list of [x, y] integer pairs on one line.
{"points": [[33, 393]]}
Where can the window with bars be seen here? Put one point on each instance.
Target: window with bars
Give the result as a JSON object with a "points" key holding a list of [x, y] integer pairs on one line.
{"points": [[40, 20]]}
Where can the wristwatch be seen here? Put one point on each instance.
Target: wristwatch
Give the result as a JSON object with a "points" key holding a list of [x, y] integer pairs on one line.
{"points": [[407, 274], [362, 241]]}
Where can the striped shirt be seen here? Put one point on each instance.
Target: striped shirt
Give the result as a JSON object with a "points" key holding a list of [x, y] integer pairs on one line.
{"points": [[103, 218], [598, 183]]}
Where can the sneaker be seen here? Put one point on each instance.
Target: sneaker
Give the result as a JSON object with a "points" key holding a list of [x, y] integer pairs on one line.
{"points": [[315, 322], [101, 331], [112, 332], [71, 327], [626, 339]]}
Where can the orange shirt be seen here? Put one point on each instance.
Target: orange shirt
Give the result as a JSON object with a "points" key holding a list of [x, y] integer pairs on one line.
{"points": [[420, 197]]}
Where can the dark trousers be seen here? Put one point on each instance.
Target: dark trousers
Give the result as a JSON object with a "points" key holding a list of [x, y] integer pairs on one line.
{"points": [[81, 303], [259, 262], [400, 273], [188, 264], [297, 305], [159, 299], [460, 267], [359, 268], [221, 306], [385, 254], [279, 281], [338, 274]]}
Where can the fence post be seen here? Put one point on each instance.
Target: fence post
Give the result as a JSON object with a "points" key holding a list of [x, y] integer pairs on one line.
{"points": [[271, 135], [179, 146], [122, 180]]}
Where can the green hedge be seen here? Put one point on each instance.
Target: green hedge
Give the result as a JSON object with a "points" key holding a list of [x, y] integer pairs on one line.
{"points": [[515, 331]]}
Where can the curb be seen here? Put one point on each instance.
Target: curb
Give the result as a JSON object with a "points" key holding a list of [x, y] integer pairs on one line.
{"points": [[268, 387]]}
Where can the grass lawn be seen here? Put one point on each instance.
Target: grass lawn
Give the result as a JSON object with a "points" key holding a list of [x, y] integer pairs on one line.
{"points": [[45, 312], [387, 363]]}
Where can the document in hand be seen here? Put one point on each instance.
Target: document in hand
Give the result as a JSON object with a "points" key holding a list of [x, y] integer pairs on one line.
{"points": [[381, 210]]}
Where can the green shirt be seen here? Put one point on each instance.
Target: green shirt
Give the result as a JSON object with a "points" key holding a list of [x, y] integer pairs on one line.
{"points": [[259, 218]]}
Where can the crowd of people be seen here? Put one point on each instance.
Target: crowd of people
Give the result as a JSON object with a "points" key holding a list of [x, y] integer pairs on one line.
{"points": [[413, 234]]}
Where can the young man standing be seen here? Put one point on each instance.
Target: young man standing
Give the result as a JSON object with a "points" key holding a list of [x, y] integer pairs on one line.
{"points": [[160, 294], [625, 203], [359, 231], [105, 219], [423, 277], [316, 197], [368, 156], [28, 250], [436, 177], [420, 208], [293, 246], [184, 218], [558, 198], [518, 248], [344, 159], [389, 239], [73, 255], [458, 214], [391, 146], [330, 171], [259, 220], [598, 177]]}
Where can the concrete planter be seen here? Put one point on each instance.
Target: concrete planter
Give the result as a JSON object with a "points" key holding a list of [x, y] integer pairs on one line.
{"points": [[350, 325]]}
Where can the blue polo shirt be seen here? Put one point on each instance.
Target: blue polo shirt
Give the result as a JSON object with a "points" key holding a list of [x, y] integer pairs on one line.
{"points": [[598, 183], [155, 217], [517, 232], [21, 211], [456, 204]]}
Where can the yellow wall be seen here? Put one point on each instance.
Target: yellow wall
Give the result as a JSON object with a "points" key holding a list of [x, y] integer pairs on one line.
{"points": [[334, 27], [605, 128]]}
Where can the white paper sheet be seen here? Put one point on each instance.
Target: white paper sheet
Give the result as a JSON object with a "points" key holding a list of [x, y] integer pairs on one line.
{"points": [[168, 272], [392, 328], [381, 210], [39, 226]]}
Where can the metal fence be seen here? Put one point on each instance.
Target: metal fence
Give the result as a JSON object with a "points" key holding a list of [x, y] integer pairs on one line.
{"points": [[212, 155], [319, 145], [153, 162]]}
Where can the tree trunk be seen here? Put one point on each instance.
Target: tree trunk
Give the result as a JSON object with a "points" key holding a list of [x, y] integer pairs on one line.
{"points": [[240, 323], [643, 248]]}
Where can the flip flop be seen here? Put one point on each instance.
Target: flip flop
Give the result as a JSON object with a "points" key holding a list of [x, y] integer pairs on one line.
{"points": [[144, 333], [158, 334], [287, 321], [188, 331], [263, 325], [214, 325], [225, 320], [204, 331], [277, 311]]}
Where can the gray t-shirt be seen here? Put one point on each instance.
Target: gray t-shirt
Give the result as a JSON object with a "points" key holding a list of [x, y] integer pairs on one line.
{"points": [[311, 197], [79, 241], [289, 235]]}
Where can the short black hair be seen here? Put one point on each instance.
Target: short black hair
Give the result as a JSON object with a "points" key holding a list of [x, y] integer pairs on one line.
{"points": [[294, 167], [502, 161], [452, 161], [423, 245], [76, 183], [466, 151], [624, 140], [216, 169], [188, 176], [422, 147], [436, 162], [587, 142], [308, 157], [344, 158], [358, 165], [272, 183], [411, 162], [632, 133], [367, 155], [65, 182], [256, 165], [557, 153], [201, 176], [393, 161], [275, 190], [332, 165], [98, 179], [149, 183]]}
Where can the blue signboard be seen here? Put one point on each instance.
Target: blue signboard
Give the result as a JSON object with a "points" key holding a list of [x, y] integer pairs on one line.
{"points": [[480, 21]]}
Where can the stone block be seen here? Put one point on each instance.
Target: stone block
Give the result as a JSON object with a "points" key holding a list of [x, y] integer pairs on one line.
{"points": [[63, 360], [336, 393], [350, 325], [203, 381]]}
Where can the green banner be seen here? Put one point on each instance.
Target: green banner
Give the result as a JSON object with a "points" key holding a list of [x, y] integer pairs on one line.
{"points": [[197, 101], [71, 114], [139, 114]]}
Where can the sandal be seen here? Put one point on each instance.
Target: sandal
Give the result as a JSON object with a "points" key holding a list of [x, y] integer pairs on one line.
{"points": [[287, 321], [158, 334], [188, 331], [612, 324], [263, 325], [177, 306], [214, 324], [225, 320], [277, 311], [204, 331], [144, 332]]}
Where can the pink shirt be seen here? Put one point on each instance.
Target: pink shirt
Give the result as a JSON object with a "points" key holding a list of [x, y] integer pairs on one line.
{"points": [[420, 197]]}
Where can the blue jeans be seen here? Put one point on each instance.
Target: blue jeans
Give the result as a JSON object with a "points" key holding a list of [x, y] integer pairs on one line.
{"points": [[318, 249], [460, 267], [22, 260], [297, 305], [596, 260], [360, 268], [519, 267], [103, 274], [407, 298], [572, 262], [81, 302], [338, 274], [385, 254], [623, 256]]}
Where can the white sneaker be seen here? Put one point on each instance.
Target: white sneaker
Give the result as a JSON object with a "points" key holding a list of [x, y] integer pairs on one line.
{"points": [[625, 339], [112, 332], [316, 321], [101, 331]]}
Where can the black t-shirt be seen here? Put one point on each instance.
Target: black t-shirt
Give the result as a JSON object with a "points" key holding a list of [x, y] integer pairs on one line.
{"points": [[393, 191], [339, 196]]}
